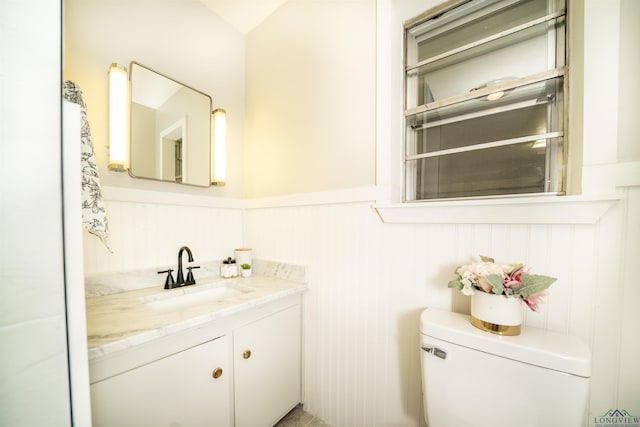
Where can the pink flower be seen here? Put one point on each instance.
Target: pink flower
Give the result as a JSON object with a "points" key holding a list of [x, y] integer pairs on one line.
{"points": [[517, 275], [485, 285], [534, 301], [513, 280], [511, 284]]}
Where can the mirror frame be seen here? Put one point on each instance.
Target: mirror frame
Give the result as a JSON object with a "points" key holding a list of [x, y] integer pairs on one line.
{"points": [[184, 118]]}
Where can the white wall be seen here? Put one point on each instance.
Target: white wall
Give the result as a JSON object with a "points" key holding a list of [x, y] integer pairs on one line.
{"points": [[629, 103], [361, 313], [369, 282], [181, 39], [311, 98], [610, 136], [34, 379]]}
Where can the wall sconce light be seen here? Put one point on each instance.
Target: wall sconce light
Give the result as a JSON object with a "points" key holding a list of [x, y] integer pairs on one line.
{"points": [[219, 147], [118, 118]]}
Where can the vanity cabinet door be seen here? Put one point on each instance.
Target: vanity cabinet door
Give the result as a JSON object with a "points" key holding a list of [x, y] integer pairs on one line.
{"points": [[181, 389], [267, 368]]}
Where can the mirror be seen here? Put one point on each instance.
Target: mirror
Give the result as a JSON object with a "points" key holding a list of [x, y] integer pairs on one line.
{"points": [[170, 129]]}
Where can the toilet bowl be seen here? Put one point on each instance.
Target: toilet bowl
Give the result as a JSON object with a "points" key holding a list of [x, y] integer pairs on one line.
{"points": [[475, 378]]}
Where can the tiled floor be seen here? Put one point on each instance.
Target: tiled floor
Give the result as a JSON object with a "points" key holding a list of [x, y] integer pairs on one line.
{"points": [[298, 418]]}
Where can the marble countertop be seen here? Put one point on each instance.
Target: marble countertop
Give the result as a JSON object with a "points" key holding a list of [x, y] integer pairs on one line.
{"points": [[121, 320]]}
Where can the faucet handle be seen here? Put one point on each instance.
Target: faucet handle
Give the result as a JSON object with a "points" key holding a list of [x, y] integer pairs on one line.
{"points": [[169, 282], [190, 279]]}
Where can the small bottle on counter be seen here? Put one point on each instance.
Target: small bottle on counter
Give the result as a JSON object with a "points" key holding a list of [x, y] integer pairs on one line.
{"points": [[228, 268], [224, 269], [233, 267]]}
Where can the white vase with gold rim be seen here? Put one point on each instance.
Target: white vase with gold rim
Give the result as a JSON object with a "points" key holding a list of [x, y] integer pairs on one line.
{"points": [[498, 314]]}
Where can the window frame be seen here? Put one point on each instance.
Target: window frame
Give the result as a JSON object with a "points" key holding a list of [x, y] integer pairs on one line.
{"points": [[559, 52]]}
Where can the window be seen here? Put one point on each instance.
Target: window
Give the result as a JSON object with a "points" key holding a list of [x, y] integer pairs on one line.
{"points": [[485, 82]]}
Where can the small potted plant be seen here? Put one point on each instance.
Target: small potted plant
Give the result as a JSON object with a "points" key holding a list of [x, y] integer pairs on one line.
{"points": [[245, 270]]}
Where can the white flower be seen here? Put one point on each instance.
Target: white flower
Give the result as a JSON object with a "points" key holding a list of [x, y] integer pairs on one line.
{"points": [[467, 288], [480, 269]]}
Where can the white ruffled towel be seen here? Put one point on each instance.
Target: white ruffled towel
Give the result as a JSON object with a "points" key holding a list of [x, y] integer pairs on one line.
{"points": [[94, 214]]}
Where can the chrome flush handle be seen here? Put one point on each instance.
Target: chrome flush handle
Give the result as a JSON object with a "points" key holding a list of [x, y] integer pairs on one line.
{"points": [[435, 351]]}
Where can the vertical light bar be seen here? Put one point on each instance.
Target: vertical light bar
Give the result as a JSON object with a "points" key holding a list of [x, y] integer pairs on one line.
{"points": [[118, 120], [219, 161]]}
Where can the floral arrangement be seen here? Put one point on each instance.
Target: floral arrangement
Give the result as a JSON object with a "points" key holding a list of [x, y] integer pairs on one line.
{"points": [[511, 280]]}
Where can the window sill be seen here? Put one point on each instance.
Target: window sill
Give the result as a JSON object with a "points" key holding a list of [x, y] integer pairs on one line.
{"points": [[524, 210]]}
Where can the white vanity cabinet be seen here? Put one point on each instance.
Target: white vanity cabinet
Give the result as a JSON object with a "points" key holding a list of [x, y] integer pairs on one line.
{"points": [[266, 358], [169, 381], [189, 388]]}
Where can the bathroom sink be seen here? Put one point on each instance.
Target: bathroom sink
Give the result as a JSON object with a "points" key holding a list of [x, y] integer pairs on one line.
{"points": [[182, 298]]}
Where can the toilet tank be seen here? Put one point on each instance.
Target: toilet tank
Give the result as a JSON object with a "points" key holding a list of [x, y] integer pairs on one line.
{"points": [[475, 378]]}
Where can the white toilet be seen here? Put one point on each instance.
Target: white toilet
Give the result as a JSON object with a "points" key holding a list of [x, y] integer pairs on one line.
{"points": [[475, 378]]}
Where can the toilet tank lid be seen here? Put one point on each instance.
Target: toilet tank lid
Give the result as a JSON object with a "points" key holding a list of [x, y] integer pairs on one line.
{"points": [[547, 349]]}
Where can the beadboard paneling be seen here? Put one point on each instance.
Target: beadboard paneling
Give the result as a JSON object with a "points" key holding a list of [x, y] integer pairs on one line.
{"points": [[148, 235], [628, 372], [369, 282]]}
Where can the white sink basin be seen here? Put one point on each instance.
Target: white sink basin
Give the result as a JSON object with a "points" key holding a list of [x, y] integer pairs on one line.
{"points": [[188, 296]]}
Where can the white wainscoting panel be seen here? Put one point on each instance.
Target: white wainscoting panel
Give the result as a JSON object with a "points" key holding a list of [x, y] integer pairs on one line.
{"points": [[369, 281], [148, 235], [628, 395]]}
